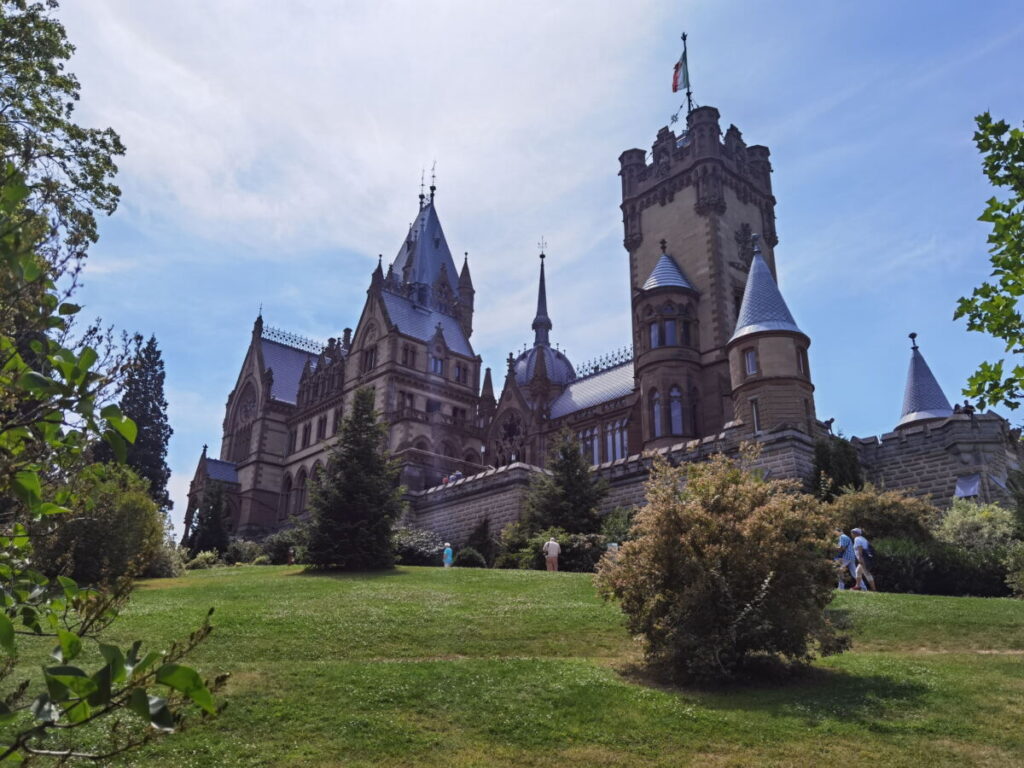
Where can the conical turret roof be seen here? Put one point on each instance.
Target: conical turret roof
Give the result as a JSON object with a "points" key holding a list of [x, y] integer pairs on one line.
{"points": [[923, 398], [666, 273], [763, 308], [425, 251]]}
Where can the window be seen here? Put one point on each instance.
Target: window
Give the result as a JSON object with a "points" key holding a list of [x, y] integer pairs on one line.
{"points": [[337, 421], [655, 335], [461, 373], [675, 411], [590, 445], [670, 333], [801, 362], [437, 365], [321, 428], [406, 400], [615, 440], [807, 416], [286, 498], [369, 359], [291, 441], [687, 327], [459, 415], [655, 413], [755, 415], [433, 406], [750, 361], [306, 428]]}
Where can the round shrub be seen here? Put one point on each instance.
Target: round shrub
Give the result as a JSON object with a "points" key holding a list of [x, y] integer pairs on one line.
{"points": [[242, 551], [413, 546], [168, 563], [277, 546], [727, 572], [202, 561], [977, 527], [885, 514], [467, 557], [938, 568], [1014, 563]]}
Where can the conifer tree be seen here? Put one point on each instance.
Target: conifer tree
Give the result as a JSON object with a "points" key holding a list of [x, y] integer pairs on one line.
{"points": [[144, 403], [210, 533], [568, 497], [356, 497]]}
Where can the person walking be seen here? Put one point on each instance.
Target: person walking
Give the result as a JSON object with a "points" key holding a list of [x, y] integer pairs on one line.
{"points": [[847, 559], [447, 557], [551, 552], [865, 554]]}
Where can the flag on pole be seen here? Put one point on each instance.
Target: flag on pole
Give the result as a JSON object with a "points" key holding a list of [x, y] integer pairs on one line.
{"points": [[681, 75]]}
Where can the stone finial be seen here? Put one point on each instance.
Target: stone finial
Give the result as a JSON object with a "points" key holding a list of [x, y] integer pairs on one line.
{"points": [[913, 340]]}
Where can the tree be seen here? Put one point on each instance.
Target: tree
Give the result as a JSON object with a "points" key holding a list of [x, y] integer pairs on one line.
{"points": [[993, 307], [49, 416], [481, 540], [210, 533], [143, 401], [114, 528], [567, 497], [356, 497], [69, 169], [725, 569], [836, 468]]}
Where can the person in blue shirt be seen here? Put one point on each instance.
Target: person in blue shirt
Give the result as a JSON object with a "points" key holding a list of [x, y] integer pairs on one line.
{"points": [[847, 559], [446, 558]]}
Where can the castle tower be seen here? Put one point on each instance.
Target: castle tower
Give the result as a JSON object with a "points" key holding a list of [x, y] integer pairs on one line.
{"points": [[771, 379], [667, 358], [923, 398], [705, 196]]}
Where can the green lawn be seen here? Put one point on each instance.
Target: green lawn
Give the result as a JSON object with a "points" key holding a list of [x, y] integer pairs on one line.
{"points": [[476, 668]]}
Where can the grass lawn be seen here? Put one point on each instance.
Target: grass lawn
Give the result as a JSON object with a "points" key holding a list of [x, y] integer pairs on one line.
{"points": [[476, 668]]}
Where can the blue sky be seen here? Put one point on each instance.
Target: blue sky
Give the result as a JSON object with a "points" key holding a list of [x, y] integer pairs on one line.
{"points": [[275, 148]]}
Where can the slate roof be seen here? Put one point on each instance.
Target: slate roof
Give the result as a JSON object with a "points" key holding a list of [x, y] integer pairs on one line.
{"points": [[221, 470], [421, 323], [666, 273], [763, 308], [923, 398], [424, 250], [609, 384], [559, 369], [286, 363]]}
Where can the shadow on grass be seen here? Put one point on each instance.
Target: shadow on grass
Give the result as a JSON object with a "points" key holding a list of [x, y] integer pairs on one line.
{"points": [[318, 573], [813, 694]]}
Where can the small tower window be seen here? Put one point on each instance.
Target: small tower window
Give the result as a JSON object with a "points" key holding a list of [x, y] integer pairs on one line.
{"points": [[801, 362], [687, 328], [750, 362], [755, 415], [670, 333], [655, 335], [656, 429], [675, 410]]}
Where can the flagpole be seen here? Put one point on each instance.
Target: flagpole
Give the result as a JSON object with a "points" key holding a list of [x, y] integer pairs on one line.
{"points": [[689, 93]]}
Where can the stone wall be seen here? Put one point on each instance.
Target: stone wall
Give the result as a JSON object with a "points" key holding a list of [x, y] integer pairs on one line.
{"points": [[926, 459], [453, 510]]}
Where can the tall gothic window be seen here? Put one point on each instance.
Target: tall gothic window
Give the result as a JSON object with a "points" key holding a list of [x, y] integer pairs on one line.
{"points": [[615, 440], [675, 410], [286, 498], [670, 332], [590, 446], [656, 427]]}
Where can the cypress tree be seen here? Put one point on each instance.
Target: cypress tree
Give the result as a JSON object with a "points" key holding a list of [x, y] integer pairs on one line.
{"points": [[210, 534], [568, 497], [356, 497], [144, 403]]}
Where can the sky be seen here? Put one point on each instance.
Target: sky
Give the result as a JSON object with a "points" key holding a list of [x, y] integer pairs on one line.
{"points": [[275, 148]]}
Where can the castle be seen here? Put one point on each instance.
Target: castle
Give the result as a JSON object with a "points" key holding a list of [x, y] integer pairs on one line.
{"points": [[715, 359]]}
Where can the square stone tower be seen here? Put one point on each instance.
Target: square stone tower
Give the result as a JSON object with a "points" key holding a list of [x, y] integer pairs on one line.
{"points": [[704, 196]]}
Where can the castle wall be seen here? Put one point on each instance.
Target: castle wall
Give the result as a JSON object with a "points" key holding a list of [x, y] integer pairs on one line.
{"points": [[925, 460]]}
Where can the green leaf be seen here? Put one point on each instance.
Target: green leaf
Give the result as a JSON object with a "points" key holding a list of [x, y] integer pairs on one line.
{"points": [[187, 681], [68, 308], [120, 423], [70, 645], [27, 487], [63, 681], [117, 445], [115, 660], [7, 635], [102, 678], [152, 709]]}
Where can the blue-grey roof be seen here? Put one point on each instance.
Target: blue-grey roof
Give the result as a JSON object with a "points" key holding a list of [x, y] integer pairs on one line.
{"points": [[424, 251], [609, 384], [559, 369], [286, 363], [221, 470], [923, 398], [763, 308], [421, 323], [666, 273]]}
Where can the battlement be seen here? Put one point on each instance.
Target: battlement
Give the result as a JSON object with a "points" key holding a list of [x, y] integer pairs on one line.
{"points": [[932, 459]]}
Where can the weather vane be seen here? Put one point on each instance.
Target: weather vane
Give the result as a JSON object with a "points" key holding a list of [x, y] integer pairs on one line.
{"points": [[542, 245]]}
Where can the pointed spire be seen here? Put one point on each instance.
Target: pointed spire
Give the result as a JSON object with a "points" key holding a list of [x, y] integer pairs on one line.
{"points": [[763, 308], [257, 326], [488, 389], [465, 281], [204, 450], [923, 398], [541, 323]]}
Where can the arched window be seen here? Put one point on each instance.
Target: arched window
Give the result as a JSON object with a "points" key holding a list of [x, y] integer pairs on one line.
{"points": [[422, 444], [615, 440], [656, 427], [675, 410], [448, 449], [299, 493], [670, 332], [286, 498]]}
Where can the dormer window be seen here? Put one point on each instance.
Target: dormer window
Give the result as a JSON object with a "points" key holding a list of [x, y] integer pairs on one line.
{"points": [[437, 365]]}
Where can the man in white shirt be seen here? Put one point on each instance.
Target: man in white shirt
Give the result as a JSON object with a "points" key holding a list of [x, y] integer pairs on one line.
{"points": [[865, 555], [551, 552]]}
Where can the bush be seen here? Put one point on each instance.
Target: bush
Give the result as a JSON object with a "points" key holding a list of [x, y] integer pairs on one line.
{"points": [[727, 571], [885, 514], [836, 469], [114, 528], [203, 560], [580, 551], [167, 563], [467, 557], [242, 551], [413, 546], [977, 527], [938, 568], [617, 525], [1014, 563], [261, 560], [482, 541], [276, 546]]}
